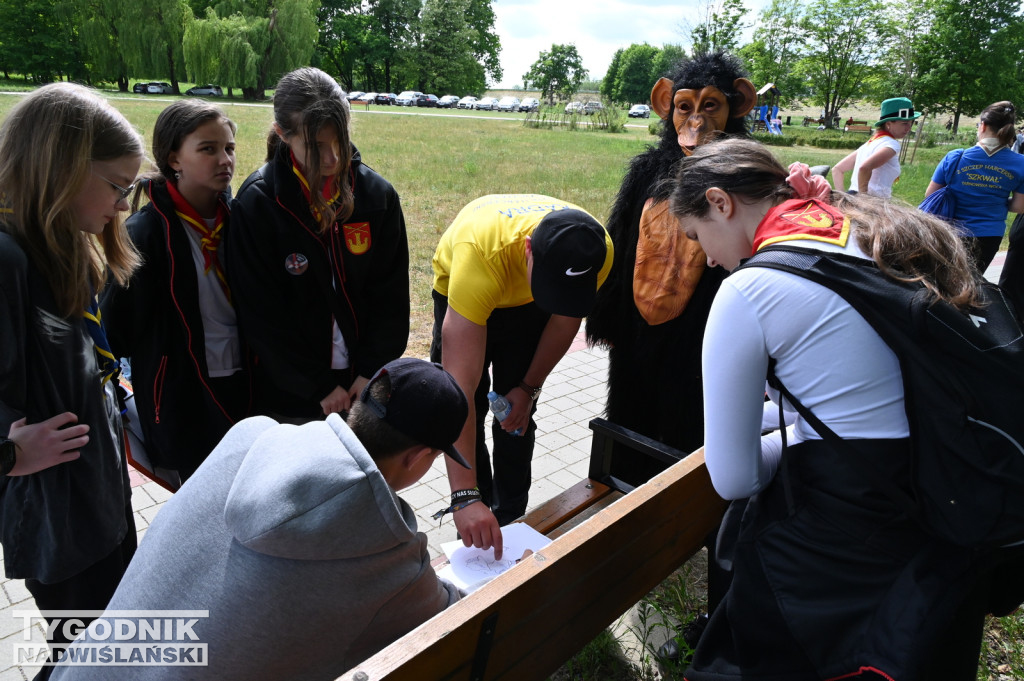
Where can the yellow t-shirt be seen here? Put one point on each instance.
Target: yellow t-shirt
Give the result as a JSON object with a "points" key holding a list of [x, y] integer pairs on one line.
{"points": [[480, 262]]}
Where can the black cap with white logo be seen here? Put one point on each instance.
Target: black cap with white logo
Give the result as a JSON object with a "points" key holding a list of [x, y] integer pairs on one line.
{"points": [[569, 251]]}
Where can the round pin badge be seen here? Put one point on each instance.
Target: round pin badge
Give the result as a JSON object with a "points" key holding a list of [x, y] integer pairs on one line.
{"points": [[296, 263]]}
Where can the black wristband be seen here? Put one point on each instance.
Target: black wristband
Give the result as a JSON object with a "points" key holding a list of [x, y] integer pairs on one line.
{"points": [[464, 494]]}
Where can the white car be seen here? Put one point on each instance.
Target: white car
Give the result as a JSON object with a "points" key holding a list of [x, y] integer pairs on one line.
{"points": [[467, 102], [508, 104], [486, 104], [407, 98], [574, 108], [640, 111]]}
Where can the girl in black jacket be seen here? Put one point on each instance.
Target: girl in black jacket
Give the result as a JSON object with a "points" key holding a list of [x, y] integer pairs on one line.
{"points": [[175, 320], [317, 258], [68, 162]]}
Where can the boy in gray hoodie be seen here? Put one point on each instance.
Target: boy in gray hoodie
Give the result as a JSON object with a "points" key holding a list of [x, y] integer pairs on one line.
{"points": [[293, 540]]}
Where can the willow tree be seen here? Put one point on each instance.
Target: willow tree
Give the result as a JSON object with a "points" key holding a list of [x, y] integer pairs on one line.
{"points": [[249, 45], [99, 36], [150, 35]]}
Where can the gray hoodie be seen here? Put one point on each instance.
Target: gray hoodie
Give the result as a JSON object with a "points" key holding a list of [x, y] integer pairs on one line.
{"points": [[304, 557]]}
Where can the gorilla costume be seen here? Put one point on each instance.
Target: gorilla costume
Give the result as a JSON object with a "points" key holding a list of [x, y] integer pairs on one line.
{"points": [[654, 374]]}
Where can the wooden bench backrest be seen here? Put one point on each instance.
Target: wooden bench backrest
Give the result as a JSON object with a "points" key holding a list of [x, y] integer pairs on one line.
{"points": [[526, 623]]}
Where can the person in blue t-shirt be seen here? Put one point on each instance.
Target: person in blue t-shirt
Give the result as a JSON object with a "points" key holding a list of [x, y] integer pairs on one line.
{"points": [[983, 177]]}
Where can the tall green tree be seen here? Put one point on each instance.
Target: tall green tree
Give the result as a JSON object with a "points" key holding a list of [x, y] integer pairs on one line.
{"points": [[669, 57], [607, 87], [844, 38], [558, 71], [99, 35], [448, 61], [345, 33], [150, 35], [252, 44], [485, 45], [721, 27], [636, 74], [40, 40], [970, 55], [775, 49]]}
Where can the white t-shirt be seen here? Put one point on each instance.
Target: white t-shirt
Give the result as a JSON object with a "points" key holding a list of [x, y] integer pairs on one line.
{"points": [[826, 354], [884, 176], [220, 326]]}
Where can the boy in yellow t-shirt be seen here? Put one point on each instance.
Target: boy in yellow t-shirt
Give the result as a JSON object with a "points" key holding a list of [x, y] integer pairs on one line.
{"points": [[514, 274]]}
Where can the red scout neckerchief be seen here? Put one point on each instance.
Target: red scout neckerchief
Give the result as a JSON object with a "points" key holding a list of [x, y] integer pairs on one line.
{"points": [[880, 133], [356, 234], [326, 191], [811, 219], [209, 240]]}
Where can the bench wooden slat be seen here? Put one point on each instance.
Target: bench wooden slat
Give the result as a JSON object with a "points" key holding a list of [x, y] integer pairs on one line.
{"points": [[567, 505], [543, 611]]}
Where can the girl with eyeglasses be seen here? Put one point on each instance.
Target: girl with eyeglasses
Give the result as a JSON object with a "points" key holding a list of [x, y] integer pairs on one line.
{"points": [[68, 161], [175, 320], [318, 258]]}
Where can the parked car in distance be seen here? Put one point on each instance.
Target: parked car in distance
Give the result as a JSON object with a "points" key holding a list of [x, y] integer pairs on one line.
{"points": [[467, 102], [407, 98], [354, 95], [426, 100], [448, 102], [574, 108], [140, 88], [204, 91], [592, 107], [385, 98], [367, 98], [529, 104], [640, 111], [486, 104], [508, 104], [159, 88]]}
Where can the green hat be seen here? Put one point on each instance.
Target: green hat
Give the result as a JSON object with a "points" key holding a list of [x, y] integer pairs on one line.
{"points": [[897, 109]]}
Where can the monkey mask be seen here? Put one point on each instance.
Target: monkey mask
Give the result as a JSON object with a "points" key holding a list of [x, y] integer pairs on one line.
{"points": [[698, 115]]}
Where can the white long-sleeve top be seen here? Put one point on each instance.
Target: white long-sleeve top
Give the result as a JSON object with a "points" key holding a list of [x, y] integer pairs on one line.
{"points": [[826, 354]]}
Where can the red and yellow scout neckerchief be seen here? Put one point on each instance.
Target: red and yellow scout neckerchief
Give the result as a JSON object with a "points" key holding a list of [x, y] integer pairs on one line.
{"points": [[209, 237], [330, 193], [802, 219]]}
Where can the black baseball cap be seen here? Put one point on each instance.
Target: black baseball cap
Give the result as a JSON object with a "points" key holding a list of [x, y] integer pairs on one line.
{"points": [[425, 404], [569, 251]]}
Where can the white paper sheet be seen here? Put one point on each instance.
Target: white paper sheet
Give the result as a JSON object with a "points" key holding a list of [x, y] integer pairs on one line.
{"points": [[470, 567]]}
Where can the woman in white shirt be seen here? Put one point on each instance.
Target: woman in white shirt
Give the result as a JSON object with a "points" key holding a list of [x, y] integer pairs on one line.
{"points": [[876, 164], [830, 579]]}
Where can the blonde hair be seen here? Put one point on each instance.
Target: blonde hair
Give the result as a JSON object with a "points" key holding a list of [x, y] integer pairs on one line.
{"points": [[907, 244], [47, 145]]}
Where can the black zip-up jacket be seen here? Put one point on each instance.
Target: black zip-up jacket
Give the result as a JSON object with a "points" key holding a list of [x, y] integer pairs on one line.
{"points": [[156, 323], [63, 519], [289, 289]]}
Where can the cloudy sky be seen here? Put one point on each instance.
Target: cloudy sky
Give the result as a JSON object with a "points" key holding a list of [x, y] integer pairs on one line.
{"points": [[596, 27]]}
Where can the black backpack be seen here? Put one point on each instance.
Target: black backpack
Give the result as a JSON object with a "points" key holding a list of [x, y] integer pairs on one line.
{"points": [[963, 380]]}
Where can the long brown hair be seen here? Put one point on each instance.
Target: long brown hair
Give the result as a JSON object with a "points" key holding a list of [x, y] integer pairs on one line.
{"points": [[48, 143], [177, 121], [305, 101], [908, 244]]}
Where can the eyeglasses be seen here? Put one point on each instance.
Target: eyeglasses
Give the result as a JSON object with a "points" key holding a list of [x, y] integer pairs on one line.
{"points": [[122, 192]]}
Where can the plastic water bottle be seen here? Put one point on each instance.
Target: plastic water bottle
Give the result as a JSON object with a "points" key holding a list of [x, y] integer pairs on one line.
{"points": [[501, 408]]}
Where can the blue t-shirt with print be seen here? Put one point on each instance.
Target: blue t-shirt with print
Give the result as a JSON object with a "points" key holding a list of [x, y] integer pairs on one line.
{"points": [[982, 186]]}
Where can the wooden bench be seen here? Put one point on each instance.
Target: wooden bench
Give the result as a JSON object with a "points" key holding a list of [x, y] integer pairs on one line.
{"points": [[612, 545], [857, 126]]}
